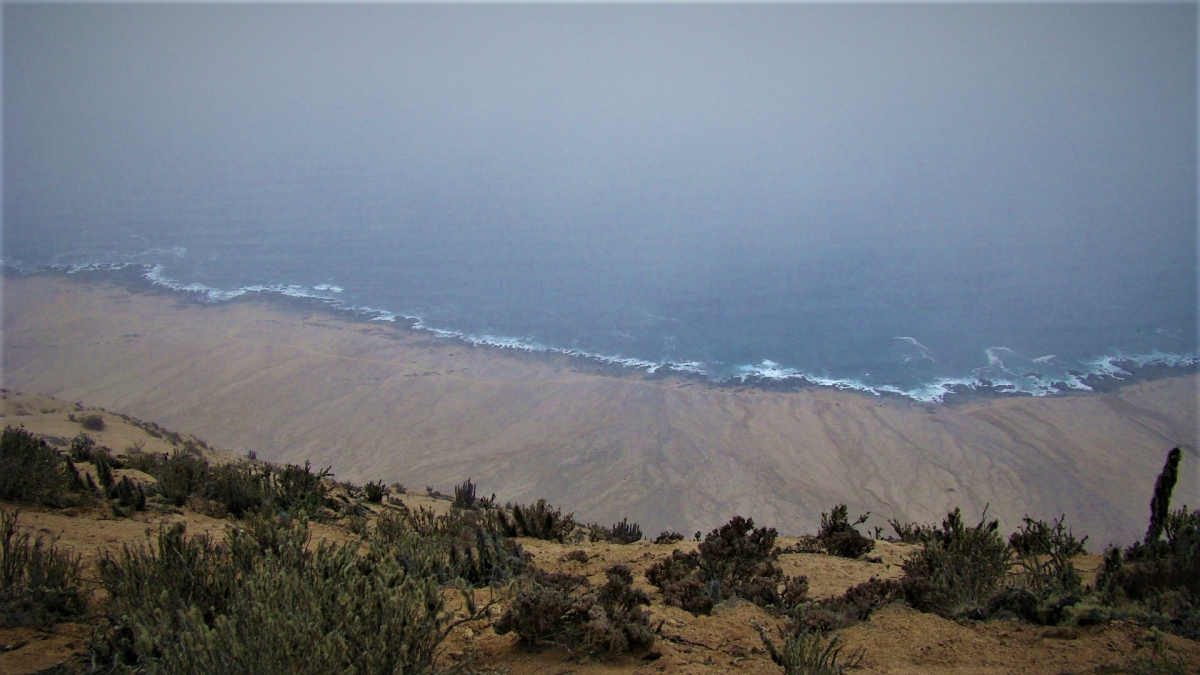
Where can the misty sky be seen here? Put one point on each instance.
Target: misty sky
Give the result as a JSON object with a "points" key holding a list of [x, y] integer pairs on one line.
{"points": [[632, 153]]}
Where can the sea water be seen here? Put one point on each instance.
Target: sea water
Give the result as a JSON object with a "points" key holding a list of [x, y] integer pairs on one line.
{"points": [[906, 200]]}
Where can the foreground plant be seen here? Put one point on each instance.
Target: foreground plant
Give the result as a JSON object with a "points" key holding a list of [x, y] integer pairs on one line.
{"points": [[807, 654], [40, 582], [266, 602]]}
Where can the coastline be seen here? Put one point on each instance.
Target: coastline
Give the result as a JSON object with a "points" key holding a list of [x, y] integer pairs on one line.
{"points": [[1114, 373], [373, 400]]}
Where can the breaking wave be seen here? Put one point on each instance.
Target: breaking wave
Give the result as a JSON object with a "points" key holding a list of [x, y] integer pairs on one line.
{"points": [[1006, 371]]}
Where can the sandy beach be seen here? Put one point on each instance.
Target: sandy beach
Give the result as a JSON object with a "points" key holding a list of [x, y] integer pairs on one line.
{"points": [[378, 401]]}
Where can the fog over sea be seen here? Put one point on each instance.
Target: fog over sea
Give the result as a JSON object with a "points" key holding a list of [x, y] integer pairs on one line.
{"points": [[898, 198]]}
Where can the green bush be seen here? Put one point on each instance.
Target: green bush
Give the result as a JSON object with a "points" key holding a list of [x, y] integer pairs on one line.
{"points": [[92, 422], [240, 489], [266, 603], [179, 476], [298, 489], [564, 610], [41, 584], [31, 470], [958, 568]]}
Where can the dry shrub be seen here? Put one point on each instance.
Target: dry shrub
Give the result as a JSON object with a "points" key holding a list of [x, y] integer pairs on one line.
{"points": [[564, 610], [838, 536], [41, 584], [265, 602], [958, 568], [734, 560]]}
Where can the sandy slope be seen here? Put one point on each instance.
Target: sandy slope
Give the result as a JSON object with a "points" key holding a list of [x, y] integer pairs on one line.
{"points": [[895, 640], [375, 401]]}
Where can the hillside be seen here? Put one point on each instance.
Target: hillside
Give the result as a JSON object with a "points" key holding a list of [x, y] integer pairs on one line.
{"points": [[374, 400], [896, 638]]}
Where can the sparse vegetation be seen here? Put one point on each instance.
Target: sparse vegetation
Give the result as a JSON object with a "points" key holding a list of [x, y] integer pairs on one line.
{"points": [[838, 536], [374, 492], [668, 537], [539, 521], [564, 610], [41, 583], [958, 567], [734, 560], [263, 603], [808, 654], [31, 470], [267, 599]]}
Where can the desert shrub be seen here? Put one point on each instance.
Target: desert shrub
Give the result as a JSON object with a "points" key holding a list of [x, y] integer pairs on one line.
{"points": [[146, 462], [265, 603], [374, 492], [104, 472], [81, 448], [298, 489], [464, 495], [624, 533], [482, 556], [31, 470], [1036, 537], [127, 494], [578, 555], [41, 584], [912, 533], [855, 605], [239, 488], [734, 560], [668, 537], [456, 546], [958, 567], [1044, 554], [1153, 655], [1160, 575], [92, 422], [179, 476], [564, 610], [838, 536], [807, 654], [539, 521]]}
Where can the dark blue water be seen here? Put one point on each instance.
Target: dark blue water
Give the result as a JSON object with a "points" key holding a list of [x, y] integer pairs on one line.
{"points": [[904, 199]]}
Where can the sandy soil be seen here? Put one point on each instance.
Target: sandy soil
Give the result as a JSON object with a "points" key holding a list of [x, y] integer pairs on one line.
{"points": [[896, 640], [378, 401]]}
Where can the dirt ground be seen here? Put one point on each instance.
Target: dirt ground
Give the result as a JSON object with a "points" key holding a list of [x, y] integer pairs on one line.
{"points": [[896, 640]]}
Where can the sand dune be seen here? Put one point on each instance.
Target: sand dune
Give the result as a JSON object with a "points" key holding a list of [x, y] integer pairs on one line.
{"points": [[375, 401]]}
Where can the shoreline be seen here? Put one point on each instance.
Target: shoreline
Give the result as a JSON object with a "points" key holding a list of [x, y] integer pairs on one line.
{"points": [[136, 278], [292, 381]]}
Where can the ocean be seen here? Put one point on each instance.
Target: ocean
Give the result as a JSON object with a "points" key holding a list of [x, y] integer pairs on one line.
{"points": [[912, 200]]}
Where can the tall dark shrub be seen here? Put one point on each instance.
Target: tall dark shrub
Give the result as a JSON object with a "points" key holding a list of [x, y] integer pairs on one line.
{"points": [[1160, 504], [31, 470]]}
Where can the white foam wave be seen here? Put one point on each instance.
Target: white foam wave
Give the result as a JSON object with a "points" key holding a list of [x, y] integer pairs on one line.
{"points": [[1041, 376]]}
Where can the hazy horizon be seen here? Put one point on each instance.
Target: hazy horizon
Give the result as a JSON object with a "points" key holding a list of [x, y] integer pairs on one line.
{"points": [[889, 195]]}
